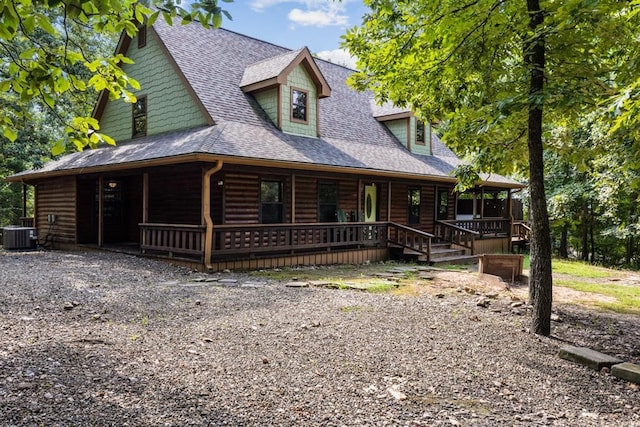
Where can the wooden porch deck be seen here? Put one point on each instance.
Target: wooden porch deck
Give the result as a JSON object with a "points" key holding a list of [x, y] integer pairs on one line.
{"points": [[231, 243]]}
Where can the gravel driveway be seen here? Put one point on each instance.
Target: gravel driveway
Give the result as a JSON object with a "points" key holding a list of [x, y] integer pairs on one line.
{"points": [[109, 339]]}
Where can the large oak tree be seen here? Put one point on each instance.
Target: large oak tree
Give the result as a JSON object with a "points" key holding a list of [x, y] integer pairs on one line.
{"points": [[45, 59], [498, 74]]}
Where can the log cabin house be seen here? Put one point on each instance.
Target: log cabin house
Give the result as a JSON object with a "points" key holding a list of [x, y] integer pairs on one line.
{"points": [[242, 154]]}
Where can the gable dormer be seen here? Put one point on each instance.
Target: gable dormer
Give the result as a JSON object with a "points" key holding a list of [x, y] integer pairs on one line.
{"points": [[288, 88], [414, 134]]}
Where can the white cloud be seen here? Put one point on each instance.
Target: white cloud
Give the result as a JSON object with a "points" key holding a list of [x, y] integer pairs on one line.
{"points": [[318, 13], [260, 5], [338, 56], [317, 18]]}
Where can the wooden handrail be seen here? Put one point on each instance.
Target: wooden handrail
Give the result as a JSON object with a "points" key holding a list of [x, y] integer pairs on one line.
{"points": [[452, 233], [452, 225], [410, 238], [521, 230]]}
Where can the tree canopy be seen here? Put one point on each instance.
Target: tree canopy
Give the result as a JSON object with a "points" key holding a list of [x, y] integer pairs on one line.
{"points": [[500, 75], [47, 63]]}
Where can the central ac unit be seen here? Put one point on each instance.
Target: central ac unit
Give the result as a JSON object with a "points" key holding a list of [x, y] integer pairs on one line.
{"points": [[16, 237]]}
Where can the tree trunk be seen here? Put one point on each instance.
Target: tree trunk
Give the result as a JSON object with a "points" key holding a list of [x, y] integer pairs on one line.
{"points": [[564, 236], [593, 244], [629, 252], [585, 232], [540, 282]]}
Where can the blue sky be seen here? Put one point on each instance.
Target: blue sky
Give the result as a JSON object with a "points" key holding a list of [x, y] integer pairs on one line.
{"points": [[317, 24]]}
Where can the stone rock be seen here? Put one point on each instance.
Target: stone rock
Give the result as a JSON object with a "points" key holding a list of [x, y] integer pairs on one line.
{"points": [[297, 284], [320, 283], [483, 302], [227, 281], [517, 304], [396, 393], [68, 306], [252, 285], [627, 371], [555, 318], [587, 357]]}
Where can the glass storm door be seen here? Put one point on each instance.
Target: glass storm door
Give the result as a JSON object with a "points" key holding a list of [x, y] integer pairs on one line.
{"points": [[370, 203]]}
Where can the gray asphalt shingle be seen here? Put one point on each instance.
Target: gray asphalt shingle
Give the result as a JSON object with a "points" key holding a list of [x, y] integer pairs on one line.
{"points": [[216, 63]]}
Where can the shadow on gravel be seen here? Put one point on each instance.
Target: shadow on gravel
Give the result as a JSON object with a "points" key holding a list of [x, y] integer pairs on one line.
{"points": [[82, 384], [607, 333]]}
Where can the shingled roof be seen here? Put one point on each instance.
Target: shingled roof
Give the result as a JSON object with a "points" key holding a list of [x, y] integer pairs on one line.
{"points": [[216, 63]]}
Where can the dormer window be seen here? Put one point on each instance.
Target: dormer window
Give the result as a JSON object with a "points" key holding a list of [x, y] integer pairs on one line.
{"points": [[299, 99], [142, 36], [421, 134], [139, 114]]}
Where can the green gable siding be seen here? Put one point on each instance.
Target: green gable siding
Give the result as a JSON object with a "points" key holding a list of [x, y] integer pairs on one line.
{"points": [[399, 129], [170, 106], [298, 78], [268, 100]]}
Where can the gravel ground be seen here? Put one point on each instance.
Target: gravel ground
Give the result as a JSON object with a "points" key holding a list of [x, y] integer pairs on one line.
{"points": [[109, 339]]}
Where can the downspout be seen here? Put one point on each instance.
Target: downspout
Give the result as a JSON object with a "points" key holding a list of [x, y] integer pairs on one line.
{"points": [[206, 213]]}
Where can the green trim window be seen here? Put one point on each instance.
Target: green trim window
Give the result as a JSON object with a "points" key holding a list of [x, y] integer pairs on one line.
{"points": [[421, 133], [139, 117], [299, 105], [413, 196], [271, 202], [327, 202]]}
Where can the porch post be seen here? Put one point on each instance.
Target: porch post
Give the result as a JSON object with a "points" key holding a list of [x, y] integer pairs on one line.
{"points": [[206, 213], [145, 197], [293, 198], [359, 200], [510, 216], [475, 204], [24, 200], [100, 211], [145, 209], [389, 201], [482, 203]]}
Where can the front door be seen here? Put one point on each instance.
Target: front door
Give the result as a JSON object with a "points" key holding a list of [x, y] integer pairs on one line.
{"points": [[370, 203]]}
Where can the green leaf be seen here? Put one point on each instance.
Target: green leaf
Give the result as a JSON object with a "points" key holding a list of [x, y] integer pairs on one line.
{"points": [[10, 134], [45, 24], [58, 148]]}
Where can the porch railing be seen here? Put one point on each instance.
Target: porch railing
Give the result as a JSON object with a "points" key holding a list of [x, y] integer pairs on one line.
{"points": [[410, 238], [484, 226], [521, 231], [173, 239], [450, 231], [281, 238], [27, 221]]}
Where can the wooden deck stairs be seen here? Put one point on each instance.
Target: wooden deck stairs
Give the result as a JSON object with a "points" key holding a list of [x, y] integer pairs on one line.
{"points": [[441, 254]]}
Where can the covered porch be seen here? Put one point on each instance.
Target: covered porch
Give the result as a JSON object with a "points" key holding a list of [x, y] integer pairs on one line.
{"points": [[217, 216]]}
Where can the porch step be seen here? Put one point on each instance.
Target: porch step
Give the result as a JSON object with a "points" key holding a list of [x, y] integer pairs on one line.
{"points": [[455, 260], [445, 253]]}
